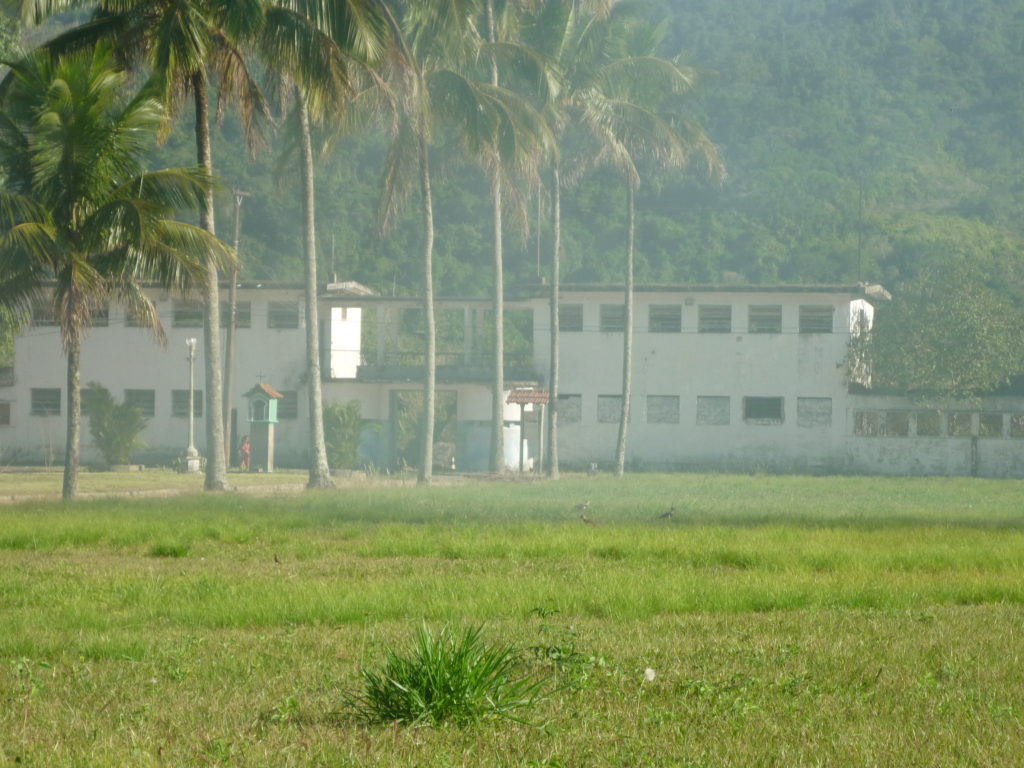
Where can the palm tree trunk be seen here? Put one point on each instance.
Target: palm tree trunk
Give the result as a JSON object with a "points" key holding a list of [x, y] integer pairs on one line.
{"points": [[216, 467], [627, 339], [229, 336], [556, 268], [72, 446], [427, 450], [319, 471], [498, 401]]}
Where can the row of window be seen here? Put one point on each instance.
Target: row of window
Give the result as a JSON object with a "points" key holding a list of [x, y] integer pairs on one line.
{"points": [[188, 314], [711, 410], [932, 423], [47, 402], [711, 318]]}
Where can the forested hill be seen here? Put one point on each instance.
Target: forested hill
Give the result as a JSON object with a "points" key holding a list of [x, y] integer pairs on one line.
{"points": [[862, 140]]}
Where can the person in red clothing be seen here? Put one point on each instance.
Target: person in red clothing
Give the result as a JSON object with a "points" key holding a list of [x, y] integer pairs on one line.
{"points": [[245, 454]]}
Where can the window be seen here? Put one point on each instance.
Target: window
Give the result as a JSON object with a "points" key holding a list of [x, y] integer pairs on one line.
{"points": [[958, 424], [867, 423], [179, 403], [663, 409], [282, 314], [100, 317], [131, 320], [714, 318], [45, 402], [243, 314], [765, 318], [665, 318], [929, 424], [570, 318], [990, 425], [143, 399], [897, 424], [762, 410], [188, 314], [813, 412], [1017, 425], [5, 414], [609, 409], [815, 318], [288, 406], [713, 411], [570, 409], [43, 314], [613, 318]]}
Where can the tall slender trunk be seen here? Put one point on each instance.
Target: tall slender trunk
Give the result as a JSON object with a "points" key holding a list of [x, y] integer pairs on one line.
{"points": [[498, 401], [556, 268], [427, 450], [319, 471], [216, 467], [72, 446], [627, 338], [497, 462], [229, 337]]}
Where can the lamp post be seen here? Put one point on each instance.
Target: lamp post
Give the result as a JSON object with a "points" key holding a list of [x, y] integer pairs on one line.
{"points": [[191, 461]]}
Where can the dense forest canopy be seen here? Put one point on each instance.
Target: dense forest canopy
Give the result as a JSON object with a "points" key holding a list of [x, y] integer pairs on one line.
{"points": [[862, 140]]}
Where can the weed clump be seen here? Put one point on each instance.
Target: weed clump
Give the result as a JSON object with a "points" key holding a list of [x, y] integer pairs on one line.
{"points": [[166, 549], [447, 677]]}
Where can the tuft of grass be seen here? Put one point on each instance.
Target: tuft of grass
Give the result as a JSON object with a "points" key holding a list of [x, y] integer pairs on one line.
{"points": [[447, 677], [168, 549]]}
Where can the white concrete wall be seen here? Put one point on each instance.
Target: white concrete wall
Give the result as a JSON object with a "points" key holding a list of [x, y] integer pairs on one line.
{"points": [[689, 365], [121, 357], [345, 342]]}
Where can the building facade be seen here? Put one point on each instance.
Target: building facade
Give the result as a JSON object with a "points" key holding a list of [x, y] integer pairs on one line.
{"points": [[724, 378]]}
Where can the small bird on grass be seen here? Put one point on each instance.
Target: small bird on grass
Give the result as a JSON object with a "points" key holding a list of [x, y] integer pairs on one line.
{"points": [[587, 520], [668, 515], [583, 505], [277, 559]]}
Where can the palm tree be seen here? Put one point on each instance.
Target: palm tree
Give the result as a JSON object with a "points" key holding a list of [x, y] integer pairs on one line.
{"points": [[318, 46], [435, 82], [503, 162], [615, 92], [562, 33], [77, 210], [184, 42]]}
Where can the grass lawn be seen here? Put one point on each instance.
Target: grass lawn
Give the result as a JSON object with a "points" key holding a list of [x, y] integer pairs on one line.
{"points": [[789, 622]]}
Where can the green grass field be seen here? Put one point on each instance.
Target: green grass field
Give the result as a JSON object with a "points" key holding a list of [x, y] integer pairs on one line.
{"points": [[790, 621]]}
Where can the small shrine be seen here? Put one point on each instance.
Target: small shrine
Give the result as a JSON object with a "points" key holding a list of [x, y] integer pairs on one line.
{"points": [[262, 420]]}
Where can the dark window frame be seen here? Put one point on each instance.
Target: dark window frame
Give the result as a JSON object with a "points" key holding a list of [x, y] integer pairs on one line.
{"points": [[570, 318], [764, 318], [761, 411], [714, 318], [42, 401], [665, 318]]}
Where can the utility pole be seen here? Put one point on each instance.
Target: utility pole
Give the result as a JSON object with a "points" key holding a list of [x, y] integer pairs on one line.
{"points": [[229, 344]]}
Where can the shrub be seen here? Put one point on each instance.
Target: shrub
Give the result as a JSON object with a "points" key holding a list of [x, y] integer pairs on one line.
{"points": [[115, 427], [446, 677], [343, 425], [165, 549]]}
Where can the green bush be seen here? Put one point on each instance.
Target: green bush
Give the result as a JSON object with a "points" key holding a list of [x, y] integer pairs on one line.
{"points": [[343, 426], [446, 677], [115, 427]]}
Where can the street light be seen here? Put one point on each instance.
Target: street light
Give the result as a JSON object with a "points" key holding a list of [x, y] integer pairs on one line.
{"points": [[191, 461]]}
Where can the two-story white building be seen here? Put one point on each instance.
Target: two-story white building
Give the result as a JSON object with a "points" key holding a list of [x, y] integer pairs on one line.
{"points": [[739, 377]]}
